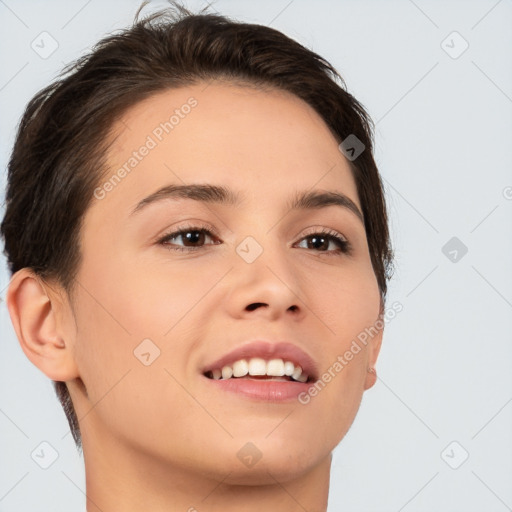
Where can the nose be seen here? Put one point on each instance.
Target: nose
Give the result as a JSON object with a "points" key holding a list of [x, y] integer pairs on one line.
{"points": [[265, 288]]}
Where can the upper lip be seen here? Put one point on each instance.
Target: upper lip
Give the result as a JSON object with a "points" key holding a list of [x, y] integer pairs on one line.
{"points": [[267, 350]]}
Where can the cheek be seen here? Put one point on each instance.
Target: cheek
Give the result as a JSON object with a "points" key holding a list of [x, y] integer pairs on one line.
{"points": [[126, 390], [149, 319], [103, 347], [346, 301], [159, 298], [350, 310]]}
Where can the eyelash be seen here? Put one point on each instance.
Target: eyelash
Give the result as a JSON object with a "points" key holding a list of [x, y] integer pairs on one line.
{"points": [[345, 248]]}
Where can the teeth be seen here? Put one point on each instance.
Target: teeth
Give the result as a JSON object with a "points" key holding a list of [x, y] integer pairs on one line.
{"points": [[289, 368], [259, 367], [227, 372], [297, 373], [275, 367], [240, 368]]}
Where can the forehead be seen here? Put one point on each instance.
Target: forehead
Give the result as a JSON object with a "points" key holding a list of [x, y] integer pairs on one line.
{"points": [[265, 142]]}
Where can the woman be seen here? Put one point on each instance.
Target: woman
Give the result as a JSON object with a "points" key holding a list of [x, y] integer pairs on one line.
{"points": [[198, 241]]}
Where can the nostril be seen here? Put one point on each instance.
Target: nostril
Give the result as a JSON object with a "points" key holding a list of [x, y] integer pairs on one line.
{"points": [[253, 306]]}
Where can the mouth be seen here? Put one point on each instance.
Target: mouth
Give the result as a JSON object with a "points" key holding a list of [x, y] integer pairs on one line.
{"points": [[257, 368], [263, 371]]}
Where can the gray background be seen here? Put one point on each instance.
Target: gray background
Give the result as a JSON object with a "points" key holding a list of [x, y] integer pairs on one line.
{"points": [[443, 144]]}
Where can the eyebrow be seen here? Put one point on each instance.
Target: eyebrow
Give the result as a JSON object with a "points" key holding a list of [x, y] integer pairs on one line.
{"points": [[207, 193]]}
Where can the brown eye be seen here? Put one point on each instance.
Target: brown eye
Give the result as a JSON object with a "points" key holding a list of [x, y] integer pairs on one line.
{"points": [[322, 240], [192, 238]]}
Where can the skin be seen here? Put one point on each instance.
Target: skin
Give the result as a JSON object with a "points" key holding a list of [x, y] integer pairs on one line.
{"points": [[159, 437]]}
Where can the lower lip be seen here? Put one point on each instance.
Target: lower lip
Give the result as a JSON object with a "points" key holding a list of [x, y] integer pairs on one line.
{"points": [[265, 390]]}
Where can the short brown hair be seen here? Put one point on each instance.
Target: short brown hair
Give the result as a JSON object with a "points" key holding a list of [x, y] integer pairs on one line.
{"points": [[61, 143]]}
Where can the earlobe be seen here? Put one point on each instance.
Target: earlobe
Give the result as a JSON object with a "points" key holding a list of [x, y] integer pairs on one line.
{"points": [[373, 353], [371, 377], [35, 318]]}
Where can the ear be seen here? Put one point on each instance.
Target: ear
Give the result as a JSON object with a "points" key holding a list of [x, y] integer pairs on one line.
{"points": [[373, 350], [38, 319]]}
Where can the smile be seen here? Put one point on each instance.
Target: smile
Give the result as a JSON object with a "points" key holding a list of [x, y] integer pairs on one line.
{"points": [[257, 367]]}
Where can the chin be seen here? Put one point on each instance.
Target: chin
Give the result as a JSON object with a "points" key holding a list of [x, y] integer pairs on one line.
{"points": [[262, 461], [281, 468]]}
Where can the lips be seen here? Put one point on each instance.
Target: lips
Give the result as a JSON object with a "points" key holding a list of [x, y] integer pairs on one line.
{"points": [[254, 353]]}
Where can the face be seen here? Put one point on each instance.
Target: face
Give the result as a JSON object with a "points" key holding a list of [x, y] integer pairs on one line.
{"points": [[170, 286]]}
